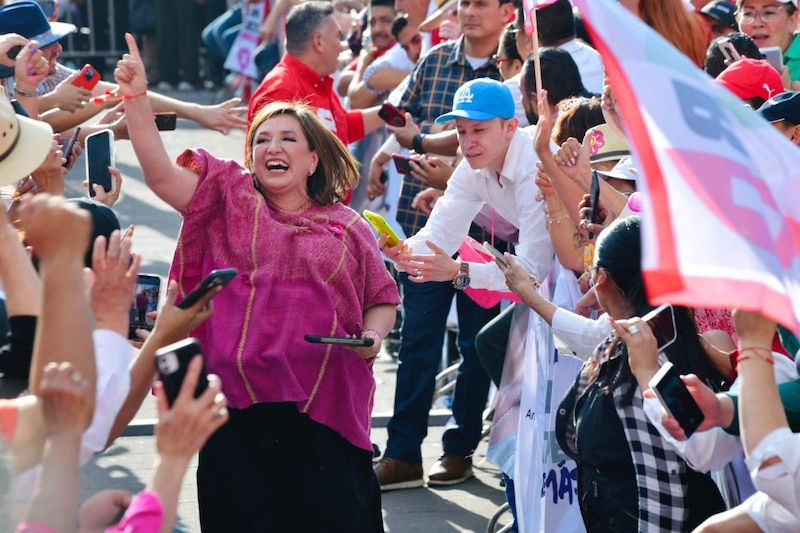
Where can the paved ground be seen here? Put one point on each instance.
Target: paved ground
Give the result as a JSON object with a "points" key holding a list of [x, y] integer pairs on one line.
{"points": [[128, 464]]}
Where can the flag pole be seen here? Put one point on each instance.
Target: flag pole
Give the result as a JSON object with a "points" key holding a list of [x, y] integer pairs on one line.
{"points": [[537, 65]]}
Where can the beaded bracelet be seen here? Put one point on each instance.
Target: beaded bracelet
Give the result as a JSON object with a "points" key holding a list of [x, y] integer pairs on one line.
{"points": [[754, 352], [556, 220], [22, 92]]}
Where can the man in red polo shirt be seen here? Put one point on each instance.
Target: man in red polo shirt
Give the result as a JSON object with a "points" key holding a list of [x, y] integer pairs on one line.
{"points": [[313, 44]]}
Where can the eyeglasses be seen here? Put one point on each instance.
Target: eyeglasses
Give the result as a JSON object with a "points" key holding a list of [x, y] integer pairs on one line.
{"points": [[766, 15], [499, 60]]}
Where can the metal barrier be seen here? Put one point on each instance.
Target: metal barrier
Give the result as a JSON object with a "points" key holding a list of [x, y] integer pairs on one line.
{"points": [[87, 32]]}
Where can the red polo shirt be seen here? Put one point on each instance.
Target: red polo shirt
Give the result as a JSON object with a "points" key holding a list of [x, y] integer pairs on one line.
{"points": [[293, 80]]}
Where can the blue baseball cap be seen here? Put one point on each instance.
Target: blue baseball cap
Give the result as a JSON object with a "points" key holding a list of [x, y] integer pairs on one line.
{"points": [[784, 106], [481, 99]]}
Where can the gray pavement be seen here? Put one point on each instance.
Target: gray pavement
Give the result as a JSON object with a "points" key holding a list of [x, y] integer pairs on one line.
{"points": [[128, 464]]}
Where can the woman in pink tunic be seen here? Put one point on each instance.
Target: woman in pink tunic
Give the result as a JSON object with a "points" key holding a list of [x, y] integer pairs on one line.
{"points": [[297, 443]]}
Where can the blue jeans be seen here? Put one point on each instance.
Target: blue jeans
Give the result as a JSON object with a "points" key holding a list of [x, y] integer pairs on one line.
{"points": [[425, 309]]}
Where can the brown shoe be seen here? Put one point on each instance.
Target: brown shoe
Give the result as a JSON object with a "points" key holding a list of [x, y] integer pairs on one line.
{"points": [[395, 474], [450, 470]]}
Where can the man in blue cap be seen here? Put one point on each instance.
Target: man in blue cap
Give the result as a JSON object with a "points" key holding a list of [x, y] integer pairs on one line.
{"points": [[783, 112], [498, 168]]}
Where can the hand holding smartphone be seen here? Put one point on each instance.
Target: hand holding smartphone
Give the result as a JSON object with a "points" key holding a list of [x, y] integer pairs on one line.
{"points": [[676, 398], [402, 163], [729, 51], [594, 201], [215, 278], [382, 227], [496, 254], [391, 115], [344, 341], [172, 362], [100, 156], [87, 78], [662, 322], [67, 148], [145, 299]]}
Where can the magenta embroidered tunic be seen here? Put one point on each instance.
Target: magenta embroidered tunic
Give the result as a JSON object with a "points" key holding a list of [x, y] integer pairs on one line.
{"points": [[310, 273]]}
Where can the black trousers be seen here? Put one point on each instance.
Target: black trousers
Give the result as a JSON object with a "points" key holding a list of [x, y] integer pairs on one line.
{"points": [[272, 469]]}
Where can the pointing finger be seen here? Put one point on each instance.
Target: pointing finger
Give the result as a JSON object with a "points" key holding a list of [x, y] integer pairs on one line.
{"points": [[132, 46]]}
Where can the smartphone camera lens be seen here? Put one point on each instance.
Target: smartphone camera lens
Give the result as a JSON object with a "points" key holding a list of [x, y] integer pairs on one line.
{"points": [[89, 74]]}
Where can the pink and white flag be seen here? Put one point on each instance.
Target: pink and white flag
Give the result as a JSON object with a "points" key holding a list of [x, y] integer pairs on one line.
{"points": [[721, 187], [530, 5]]}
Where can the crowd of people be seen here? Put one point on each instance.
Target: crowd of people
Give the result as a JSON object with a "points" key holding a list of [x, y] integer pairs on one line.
{"points": [[505, 139]]}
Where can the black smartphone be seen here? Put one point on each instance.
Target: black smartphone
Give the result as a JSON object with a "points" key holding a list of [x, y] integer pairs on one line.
{"points": [[100, 156], [215, 278], [391, 115], [18, 109], [662, 321], [594, 200], [676, 398], [166, 121], [14, 51], [402, 163], [145, 299], [67, 148], [172, 362], [345, 341]]}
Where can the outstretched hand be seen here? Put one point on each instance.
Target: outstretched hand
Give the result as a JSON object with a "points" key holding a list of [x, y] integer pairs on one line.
{"points": [[115, 273], [438, 266], [223, 117], [129, 74], [173, 323]]}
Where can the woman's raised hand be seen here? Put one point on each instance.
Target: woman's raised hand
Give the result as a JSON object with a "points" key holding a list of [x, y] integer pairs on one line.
{"points": [[129, 73]]}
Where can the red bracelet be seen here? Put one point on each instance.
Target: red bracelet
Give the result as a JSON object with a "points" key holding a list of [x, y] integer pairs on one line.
{"points": [[755, 352], [126, 97]]}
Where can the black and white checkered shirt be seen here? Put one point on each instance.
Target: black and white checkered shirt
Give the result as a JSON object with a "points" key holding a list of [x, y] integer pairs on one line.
{"points": [[661, 478]]}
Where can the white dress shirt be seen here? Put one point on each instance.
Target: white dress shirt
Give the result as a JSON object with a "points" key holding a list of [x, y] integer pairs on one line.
{"points": [[589, 62], [512, 195], [113, 356]]}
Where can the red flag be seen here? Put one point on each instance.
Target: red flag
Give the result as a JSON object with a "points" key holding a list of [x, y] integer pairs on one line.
{"points": [[720, 224]]}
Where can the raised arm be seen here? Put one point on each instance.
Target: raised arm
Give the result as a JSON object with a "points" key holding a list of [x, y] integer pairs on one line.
{"points": [[173, 184]]}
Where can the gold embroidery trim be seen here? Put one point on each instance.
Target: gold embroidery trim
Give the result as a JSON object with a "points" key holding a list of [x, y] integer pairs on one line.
{"points": [[322, 368], [345, 233], [250, 298], [335, 318]]}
